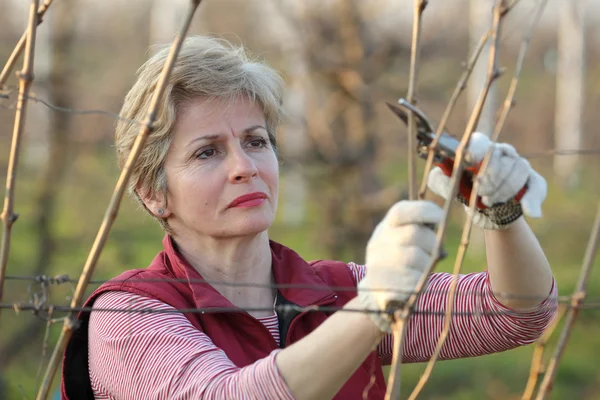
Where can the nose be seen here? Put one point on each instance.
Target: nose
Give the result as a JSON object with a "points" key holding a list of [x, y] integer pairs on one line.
{"points": [[242, 167]]}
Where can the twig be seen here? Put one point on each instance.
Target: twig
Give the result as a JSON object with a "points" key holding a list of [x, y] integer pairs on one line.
{"points": [[491, 76], [394, 380], [394, 384], [509, 6], [473, 200], [578, 297], [419, 7], [537, 360], [10, 63], [25, 78], [113, 207], [508, 102], [44, 347], [460, 87]]}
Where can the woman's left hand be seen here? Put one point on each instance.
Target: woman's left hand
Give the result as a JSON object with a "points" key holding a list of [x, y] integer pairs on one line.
{"points": [[509, 188]]}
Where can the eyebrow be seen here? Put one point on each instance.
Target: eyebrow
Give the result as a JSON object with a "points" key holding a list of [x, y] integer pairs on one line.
{"points": [[216, 135]]}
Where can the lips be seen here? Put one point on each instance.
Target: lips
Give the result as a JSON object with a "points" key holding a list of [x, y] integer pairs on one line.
{"points": [[248, 200]]}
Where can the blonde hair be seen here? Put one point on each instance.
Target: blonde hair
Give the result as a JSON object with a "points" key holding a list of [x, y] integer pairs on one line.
{"points": [[206, 67]]}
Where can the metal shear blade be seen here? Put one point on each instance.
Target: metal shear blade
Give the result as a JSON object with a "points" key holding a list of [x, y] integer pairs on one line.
{"points": [[447, 145]]}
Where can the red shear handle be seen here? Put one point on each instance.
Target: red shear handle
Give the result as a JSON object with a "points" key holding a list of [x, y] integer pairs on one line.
{"points": [[466, 181]]}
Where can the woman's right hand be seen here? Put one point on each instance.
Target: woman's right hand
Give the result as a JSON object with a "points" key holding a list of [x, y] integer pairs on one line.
{"points": [[397, 255]]}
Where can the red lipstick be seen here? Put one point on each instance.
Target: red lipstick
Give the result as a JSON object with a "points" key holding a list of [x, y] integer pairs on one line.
{"points": [[249, 200]]}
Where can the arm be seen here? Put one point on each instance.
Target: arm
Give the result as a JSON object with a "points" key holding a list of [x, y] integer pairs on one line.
{"points": [[509, 188], [317, 366], [517, 266], [160, 355], [481, 324]]}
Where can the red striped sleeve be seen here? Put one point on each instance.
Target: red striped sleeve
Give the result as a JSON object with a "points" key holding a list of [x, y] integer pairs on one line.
{"points": [[481, 324], [161, 355]]}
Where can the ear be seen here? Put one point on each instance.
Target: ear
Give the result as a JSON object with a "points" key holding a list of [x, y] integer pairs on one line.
{"points": [[154, 201]]}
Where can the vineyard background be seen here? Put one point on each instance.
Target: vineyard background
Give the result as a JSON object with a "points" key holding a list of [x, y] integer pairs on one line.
{"points": [[344, 163]]}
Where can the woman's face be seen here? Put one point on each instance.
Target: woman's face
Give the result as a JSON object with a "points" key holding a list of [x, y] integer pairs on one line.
{"points": [[222, 172]]}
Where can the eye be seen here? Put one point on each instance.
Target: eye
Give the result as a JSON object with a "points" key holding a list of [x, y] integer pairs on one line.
{"points": [[258, 142], [206, 153]]}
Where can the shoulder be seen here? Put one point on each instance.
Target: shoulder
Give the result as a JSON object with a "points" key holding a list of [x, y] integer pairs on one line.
{"points": [[149, 283], [117, 313], [339, 270]]}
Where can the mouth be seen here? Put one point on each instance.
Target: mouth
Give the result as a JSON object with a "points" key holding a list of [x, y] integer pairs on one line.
{"points": [[249, 200]]}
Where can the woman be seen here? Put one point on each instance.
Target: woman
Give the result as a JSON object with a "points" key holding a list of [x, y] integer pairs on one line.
{"points": [[209, 176]]}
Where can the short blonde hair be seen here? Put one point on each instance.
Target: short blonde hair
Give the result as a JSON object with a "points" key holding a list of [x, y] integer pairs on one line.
{"points": [[206, 67]]}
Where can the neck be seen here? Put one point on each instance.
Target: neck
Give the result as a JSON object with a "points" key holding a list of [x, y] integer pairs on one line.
{"points": [[241, 260]]}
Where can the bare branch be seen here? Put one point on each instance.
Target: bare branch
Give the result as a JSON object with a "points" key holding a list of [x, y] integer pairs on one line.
{"points": [[419, 7], [10, 63], [578, 296], [113, 207], [537, 360], [509, 7], [498, 14], [394, 384], [460, 87], [458, 168], [25, 79], [394, 377], [508, 102]]}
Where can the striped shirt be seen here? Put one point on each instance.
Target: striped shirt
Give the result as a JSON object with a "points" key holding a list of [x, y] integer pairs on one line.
{"points": [[161, 355]]}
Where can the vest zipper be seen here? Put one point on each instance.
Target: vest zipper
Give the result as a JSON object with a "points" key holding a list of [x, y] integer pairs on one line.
{"points": [[285, 340], [263, 327]]}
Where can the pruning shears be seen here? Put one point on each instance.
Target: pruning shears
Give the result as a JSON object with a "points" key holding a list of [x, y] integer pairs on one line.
{"points": [[444, 152]]}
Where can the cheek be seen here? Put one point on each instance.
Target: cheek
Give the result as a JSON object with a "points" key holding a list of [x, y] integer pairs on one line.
{"points": [[197, 189], [270, 172]]}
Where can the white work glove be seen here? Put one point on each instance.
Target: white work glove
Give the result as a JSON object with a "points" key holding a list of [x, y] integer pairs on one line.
{"points": [[398, 253], [502, 189]]}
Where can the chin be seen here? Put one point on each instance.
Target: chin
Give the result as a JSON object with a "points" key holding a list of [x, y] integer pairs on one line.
{"points": [[249, 226]]}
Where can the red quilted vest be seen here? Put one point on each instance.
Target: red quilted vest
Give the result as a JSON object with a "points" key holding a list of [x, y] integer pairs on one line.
{"points": [[243, 338]]}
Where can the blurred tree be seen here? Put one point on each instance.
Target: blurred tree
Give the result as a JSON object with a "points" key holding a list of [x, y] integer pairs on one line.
{"points": [[569, 90], [165, 18], [480, 21], [3, 388], [340, 120]]}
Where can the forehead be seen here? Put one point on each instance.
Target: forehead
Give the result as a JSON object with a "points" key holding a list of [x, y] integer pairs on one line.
{"points": [[208, 116]]}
